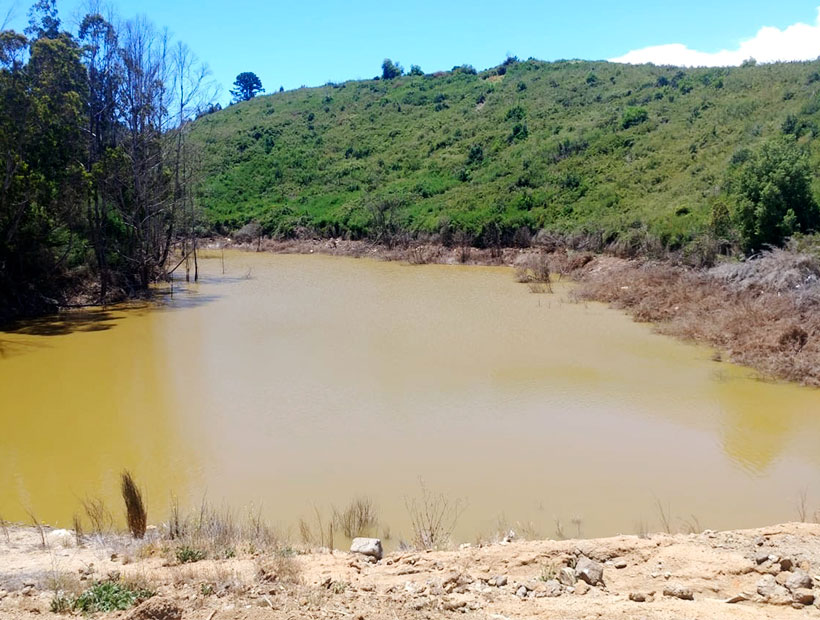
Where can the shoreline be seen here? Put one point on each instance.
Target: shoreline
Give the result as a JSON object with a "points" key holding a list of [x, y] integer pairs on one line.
{"points": [[769, 572]]}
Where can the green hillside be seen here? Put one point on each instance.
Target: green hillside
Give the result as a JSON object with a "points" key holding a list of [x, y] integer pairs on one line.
{"points": [[624, 152]]}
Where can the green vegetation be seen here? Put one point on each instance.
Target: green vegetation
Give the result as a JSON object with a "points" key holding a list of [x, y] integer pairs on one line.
{"points": [[95, 165], [105, 596], [643, 158], [188, 555], [246, 86]]}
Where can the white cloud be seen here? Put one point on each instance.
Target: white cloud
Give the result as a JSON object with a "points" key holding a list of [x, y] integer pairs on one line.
{"points": [[796, 42]]}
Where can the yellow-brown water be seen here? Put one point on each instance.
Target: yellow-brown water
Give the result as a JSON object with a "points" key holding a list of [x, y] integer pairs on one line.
{"points": [[300, 382]]}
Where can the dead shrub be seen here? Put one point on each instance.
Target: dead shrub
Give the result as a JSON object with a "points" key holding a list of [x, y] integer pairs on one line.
{"points": [[358, 519], [534, 269], [135, 514], [102, 521], [433, 517], [793, 339]]}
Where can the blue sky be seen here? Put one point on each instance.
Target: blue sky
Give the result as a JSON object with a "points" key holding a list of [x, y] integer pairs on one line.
{"points": [[315, 41]]}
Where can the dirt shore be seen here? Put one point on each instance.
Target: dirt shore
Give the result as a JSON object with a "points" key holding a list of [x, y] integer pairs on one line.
{"points": [[770, 572]]}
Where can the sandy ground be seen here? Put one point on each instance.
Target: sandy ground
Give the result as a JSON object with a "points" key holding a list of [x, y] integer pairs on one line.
{"points": [[727, 575]]}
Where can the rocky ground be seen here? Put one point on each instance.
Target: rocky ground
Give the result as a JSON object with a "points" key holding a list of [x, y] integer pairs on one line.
{"points": [[771, 572]]}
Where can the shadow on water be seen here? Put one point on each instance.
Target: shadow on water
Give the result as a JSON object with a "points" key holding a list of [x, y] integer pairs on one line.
{"points": [[101, 318], [92, 320]]}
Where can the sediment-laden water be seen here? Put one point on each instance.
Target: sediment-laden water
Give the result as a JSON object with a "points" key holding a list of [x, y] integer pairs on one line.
{"points": [[296, 383]]}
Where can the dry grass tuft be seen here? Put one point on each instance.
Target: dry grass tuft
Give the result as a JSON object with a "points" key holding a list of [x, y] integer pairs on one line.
{"points": [[102, 521], [281, 567], [135, 514], [358, 519], [216, 533]]}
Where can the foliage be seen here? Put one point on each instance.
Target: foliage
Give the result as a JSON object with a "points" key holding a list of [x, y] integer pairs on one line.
{"points": [[390, 70], [108, 596], [634, 116], [415, 70], [95, 166], [577, 171], [774, 196], [246, 86]]}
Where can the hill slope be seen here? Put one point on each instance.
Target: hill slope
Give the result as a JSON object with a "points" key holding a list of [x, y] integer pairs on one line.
{"points": [[620, 151]]}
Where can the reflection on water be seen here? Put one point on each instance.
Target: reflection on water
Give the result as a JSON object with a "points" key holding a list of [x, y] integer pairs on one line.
{"points": [[302, 381]]}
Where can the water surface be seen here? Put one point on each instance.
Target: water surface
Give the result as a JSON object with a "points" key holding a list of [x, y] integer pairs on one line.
{"points": [[299, 382]]}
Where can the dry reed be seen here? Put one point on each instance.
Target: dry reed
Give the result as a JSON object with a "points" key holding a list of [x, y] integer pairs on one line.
{"points": [[135, 513]]}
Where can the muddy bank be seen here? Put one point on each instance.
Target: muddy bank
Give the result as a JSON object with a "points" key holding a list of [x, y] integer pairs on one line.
{"points": [[769, 572], [763, 313]]}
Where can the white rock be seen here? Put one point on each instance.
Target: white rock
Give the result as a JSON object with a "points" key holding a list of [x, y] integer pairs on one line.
{"points": [[371, 547], [60, 538]]}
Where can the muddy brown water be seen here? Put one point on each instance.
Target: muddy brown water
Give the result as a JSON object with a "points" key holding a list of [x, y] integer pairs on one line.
{"points": [[290, 384]]}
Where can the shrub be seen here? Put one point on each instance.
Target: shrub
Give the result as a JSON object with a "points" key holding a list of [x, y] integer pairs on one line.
{"points": [[774, 197], [390, 70], [633, 116]]}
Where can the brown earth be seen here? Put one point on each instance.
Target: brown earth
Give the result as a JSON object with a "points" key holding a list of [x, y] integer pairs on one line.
{"points": [[725, 574]]}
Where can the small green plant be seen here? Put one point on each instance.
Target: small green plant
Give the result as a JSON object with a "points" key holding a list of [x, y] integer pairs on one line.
{"points": [[108, 596], [548, 572], [61, 603], [207, 589], [188, 555], [338, 587]]}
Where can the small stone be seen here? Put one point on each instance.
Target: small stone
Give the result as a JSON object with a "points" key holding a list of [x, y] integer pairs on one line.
{"points": [[737, 598], [786, 564], [552, 588], [759, 541], [677, 591], [761, 557], [60, 538], [619, 563], [581, 588], [589, 571], [567, 576], [498, 581], [804, 596], [799, 579], [521, 592], [370, 547], [637, 597], [772, 592]]}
